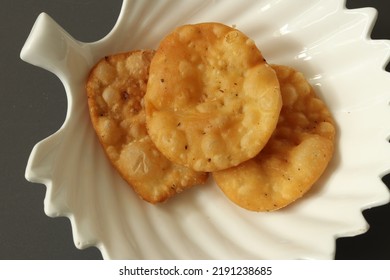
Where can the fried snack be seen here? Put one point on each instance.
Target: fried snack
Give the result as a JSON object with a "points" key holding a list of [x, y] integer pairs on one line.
{"points": [[212, 101], [295, 156], [115, 88]]}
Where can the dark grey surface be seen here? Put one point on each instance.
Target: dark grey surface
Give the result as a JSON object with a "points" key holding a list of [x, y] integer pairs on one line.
{"points": [[33, 106]]}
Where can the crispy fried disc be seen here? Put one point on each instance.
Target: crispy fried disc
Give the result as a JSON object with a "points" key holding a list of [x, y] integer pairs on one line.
{"points": [[115, 88], [212, 101], [295, 156]]}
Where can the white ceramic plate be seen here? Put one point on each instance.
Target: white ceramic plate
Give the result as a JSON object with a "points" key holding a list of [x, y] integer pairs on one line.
{"points": [[327, 42]]}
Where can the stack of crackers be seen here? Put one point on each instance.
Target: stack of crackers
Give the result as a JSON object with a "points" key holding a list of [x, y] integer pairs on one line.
{"points": [[206, 101]]}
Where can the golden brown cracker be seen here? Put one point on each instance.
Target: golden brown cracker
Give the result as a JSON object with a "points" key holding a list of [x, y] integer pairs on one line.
{"points": [[116, 87], [294, 158], [212, 101]]}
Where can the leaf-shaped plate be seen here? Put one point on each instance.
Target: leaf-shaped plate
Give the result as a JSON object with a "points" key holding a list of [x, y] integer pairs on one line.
{"points": [[327, 42]]}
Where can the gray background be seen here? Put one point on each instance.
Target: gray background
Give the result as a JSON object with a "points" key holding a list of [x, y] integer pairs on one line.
{"points": [[33, 106]]}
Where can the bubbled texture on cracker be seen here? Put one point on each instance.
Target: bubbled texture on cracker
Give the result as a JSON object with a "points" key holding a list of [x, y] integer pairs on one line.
{"points": [[116, 87], [212, 101], [294, 158]]}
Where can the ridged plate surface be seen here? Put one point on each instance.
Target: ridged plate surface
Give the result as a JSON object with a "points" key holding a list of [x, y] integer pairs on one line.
{"points": [[327, 42]]}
